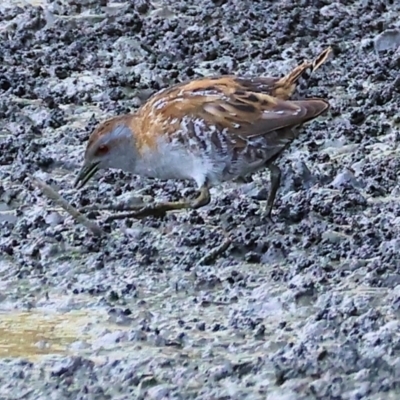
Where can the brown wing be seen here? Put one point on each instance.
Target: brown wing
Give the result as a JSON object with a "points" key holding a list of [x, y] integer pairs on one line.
{"points": [[245, 107], [227, 103], [280, 87]]}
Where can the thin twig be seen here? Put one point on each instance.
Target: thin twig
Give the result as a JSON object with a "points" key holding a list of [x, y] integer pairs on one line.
{"points": [[215, 252], [53, 195]]}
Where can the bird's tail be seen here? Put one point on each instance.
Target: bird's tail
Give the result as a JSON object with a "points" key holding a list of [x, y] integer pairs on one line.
{"points": [[297, 80]]}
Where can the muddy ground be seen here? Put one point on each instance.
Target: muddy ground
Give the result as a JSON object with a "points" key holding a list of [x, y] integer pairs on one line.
{"points": [[307, 308]]}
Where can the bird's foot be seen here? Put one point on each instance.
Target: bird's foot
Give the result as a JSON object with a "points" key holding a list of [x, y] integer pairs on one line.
{"points": [[157, 210]]}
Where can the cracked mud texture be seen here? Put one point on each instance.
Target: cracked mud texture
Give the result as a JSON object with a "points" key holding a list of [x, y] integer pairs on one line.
{"points": [[306, 308]]}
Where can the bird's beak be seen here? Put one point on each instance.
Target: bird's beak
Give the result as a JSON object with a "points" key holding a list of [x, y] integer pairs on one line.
{"points": [[87, 171]]}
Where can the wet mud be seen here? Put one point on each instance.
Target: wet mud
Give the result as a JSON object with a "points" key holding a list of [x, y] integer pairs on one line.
{"points": [[305, 308]]}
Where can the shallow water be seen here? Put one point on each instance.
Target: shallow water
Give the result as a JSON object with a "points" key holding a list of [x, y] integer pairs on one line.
{"points": [[283, 314], [33, 334]]}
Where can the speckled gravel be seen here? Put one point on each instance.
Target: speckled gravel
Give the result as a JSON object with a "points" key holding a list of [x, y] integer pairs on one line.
{"points": [[306, 308]]}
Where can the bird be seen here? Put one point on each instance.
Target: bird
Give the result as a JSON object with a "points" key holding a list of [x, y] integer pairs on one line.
{"points": [[208, 130]]}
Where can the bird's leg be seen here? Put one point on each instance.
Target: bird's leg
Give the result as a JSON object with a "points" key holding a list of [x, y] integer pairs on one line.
{"points": [[243, 179], [113, 207], [160, 209], [275, 173]]}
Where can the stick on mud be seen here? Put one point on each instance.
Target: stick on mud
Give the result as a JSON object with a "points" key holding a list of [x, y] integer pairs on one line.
{"points": [[215, 252], [53, 195]]}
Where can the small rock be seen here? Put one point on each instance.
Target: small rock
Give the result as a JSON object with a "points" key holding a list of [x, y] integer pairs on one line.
{"points": [[54, 218], [221, 371], [70, 365], [390, 39], [345, 178], [159, 392]]}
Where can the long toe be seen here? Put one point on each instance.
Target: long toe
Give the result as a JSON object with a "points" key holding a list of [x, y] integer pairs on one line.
{"points": [[114, 207], [147, 211], [266, 216], [268, 219]]}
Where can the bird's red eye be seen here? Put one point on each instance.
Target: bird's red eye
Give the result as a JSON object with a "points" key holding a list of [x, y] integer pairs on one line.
{"points": [[103, 149]]}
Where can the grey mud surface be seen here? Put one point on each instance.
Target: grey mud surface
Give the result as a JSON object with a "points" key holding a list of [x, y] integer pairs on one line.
{"points": [[307, 308]]}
